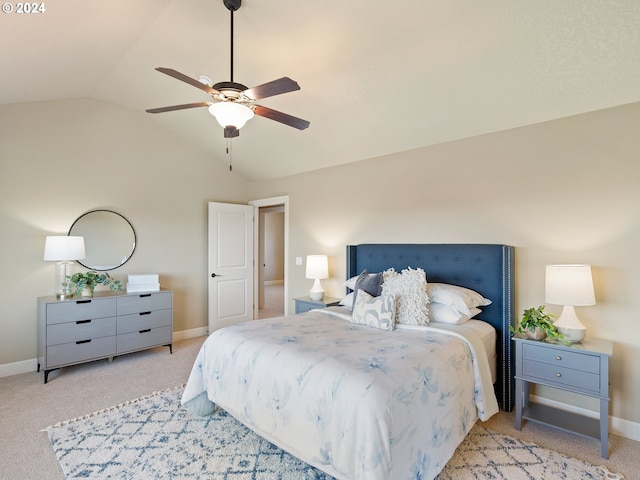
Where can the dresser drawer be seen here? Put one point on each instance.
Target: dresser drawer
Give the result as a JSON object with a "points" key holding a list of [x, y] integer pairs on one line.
{"points": [[141, 321], [144, 338], [81, 330], [80, 310], [562, 358], [561, 377], [144, 302], [80, 351]]}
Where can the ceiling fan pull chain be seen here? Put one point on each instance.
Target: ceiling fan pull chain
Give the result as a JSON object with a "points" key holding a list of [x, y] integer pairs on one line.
{"points": [[229, 152]]}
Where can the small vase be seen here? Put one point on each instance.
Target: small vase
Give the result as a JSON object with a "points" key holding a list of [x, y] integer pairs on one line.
{"points": [[87, 291], [536, 334]]}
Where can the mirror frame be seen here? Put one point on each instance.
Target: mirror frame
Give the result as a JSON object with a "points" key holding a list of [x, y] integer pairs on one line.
{"points": [[128, 255]]}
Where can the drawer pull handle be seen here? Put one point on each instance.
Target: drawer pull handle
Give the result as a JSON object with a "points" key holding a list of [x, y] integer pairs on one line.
{"points": [[82, 301], [558, 375], [145, 295], [80, 322], [145, 331], [558, 357], [145, 313], [83, 341]]}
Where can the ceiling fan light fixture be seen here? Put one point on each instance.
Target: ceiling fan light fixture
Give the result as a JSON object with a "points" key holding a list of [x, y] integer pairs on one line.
{"points": [[231, 114]]}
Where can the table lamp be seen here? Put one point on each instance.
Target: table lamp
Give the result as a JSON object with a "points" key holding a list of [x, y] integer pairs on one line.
{"points": [[317, 269], [64, 250], [571, 286]]}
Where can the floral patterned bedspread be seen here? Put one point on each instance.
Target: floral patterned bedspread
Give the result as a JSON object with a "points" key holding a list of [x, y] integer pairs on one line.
{"points": [[354, 401]]}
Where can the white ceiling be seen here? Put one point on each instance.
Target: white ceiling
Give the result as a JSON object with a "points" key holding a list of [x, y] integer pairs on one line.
{"points": [[376, 77]]}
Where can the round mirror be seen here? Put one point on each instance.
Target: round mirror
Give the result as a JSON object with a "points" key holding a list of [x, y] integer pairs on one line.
{"points": [[109, 239]]}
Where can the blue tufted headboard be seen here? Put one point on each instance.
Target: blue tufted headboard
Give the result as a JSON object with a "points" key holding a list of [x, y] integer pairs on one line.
{"points": [[487, 269]]}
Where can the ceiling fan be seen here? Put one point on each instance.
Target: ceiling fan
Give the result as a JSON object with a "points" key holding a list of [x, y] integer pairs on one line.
{"points": [[233, 103]]}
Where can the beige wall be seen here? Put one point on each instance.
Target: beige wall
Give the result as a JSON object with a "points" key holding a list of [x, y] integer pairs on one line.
{"points": [[566, 191], [560, 192], [61, 159]]}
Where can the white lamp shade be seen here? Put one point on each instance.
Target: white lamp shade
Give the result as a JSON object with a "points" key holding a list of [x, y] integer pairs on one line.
{"points": [[569, 285], [231, 114], [317, 267], [63, 247]]}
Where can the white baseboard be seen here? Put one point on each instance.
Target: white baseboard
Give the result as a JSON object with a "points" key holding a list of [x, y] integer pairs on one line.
{"points": [[191, 333], [619, 426], [31, 365], [16, 368]]}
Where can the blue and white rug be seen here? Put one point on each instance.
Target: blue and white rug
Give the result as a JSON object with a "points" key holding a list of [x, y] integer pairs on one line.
{"points": [[154, 438]]}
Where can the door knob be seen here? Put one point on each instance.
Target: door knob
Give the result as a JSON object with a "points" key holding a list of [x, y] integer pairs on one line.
{"points": [[214, 275]]}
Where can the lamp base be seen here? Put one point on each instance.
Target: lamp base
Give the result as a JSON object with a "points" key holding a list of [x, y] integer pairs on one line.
{"points": [[317, 292], [569, 326]]}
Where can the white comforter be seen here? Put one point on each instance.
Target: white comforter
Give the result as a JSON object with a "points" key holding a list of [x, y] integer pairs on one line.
{"points": [[351, 400]]}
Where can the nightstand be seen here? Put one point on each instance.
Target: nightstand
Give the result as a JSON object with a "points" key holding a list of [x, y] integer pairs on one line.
{"points": [[304, 304], [581, 368]]}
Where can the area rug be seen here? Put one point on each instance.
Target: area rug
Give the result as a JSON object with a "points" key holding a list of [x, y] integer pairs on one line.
{"points": [[154, 438]]}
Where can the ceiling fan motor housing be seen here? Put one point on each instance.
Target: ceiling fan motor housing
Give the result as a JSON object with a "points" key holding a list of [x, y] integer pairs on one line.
{"points": [[232, 5]]}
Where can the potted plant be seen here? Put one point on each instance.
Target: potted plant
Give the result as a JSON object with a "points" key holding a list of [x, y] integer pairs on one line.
{"points": [[86, 282], [538, 325]]}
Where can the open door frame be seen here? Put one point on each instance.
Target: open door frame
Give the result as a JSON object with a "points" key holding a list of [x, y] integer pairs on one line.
{"points": [[270, 202]]}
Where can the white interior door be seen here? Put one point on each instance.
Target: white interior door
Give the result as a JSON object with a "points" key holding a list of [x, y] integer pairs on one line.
{"points": [[230, 264]]}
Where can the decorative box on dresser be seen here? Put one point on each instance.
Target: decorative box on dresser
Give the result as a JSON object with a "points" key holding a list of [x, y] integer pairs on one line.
{"points": [[581, 368], [84, 329]]}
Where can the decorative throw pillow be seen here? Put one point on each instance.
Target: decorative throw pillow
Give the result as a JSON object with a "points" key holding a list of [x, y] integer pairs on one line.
{"points": [[370, 283], [410, 289], [459, 298], [378, 312]]}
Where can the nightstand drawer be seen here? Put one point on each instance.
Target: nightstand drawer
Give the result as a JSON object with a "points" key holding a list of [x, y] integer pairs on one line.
{"points": [[80, 310], [561, 377], [80, 351], [144, 302], [141, 321], [562, 358], [81, 330]]}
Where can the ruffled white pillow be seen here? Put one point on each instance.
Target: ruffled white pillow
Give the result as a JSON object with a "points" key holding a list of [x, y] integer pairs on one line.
{"points": [[410, 290]]}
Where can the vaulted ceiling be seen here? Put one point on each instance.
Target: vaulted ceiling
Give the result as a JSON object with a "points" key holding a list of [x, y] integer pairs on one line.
{"points": [[376, 77]]}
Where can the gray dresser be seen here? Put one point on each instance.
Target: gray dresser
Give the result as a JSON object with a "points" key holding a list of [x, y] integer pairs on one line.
{"points": [[581, 368], [83, 329]]}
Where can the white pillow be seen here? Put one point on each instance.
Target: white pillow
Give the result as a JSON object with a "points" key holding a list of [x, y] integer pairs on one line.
{"points": [[459, 298], [347, 301], [439, 312], [410, 289], [378, 312]]}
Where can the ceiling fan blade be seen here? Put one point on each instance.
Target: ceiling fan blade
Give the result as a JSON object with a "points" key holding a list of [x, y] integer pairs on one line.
{"points": [[178, 107], [191, 81], [287, 119], [275, 87]]}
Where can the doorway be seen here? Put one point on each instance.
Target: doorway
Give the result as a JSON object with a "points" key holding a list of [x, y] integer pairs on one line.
{"points": [[271, 245]]}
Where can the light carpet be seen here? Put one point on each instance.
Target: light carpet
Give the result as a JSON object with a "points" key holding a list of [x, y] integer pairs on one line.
{"points": [[154, 438]]}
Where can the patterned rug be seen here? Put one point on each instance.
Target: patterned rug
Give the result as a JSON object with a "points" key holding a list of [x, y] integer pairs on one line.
{"points": [[154, 438]]}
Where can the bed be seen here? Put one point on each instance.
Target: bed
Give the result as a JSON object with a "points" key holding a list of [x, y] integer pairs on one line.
{"points": [[361, 403]]}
